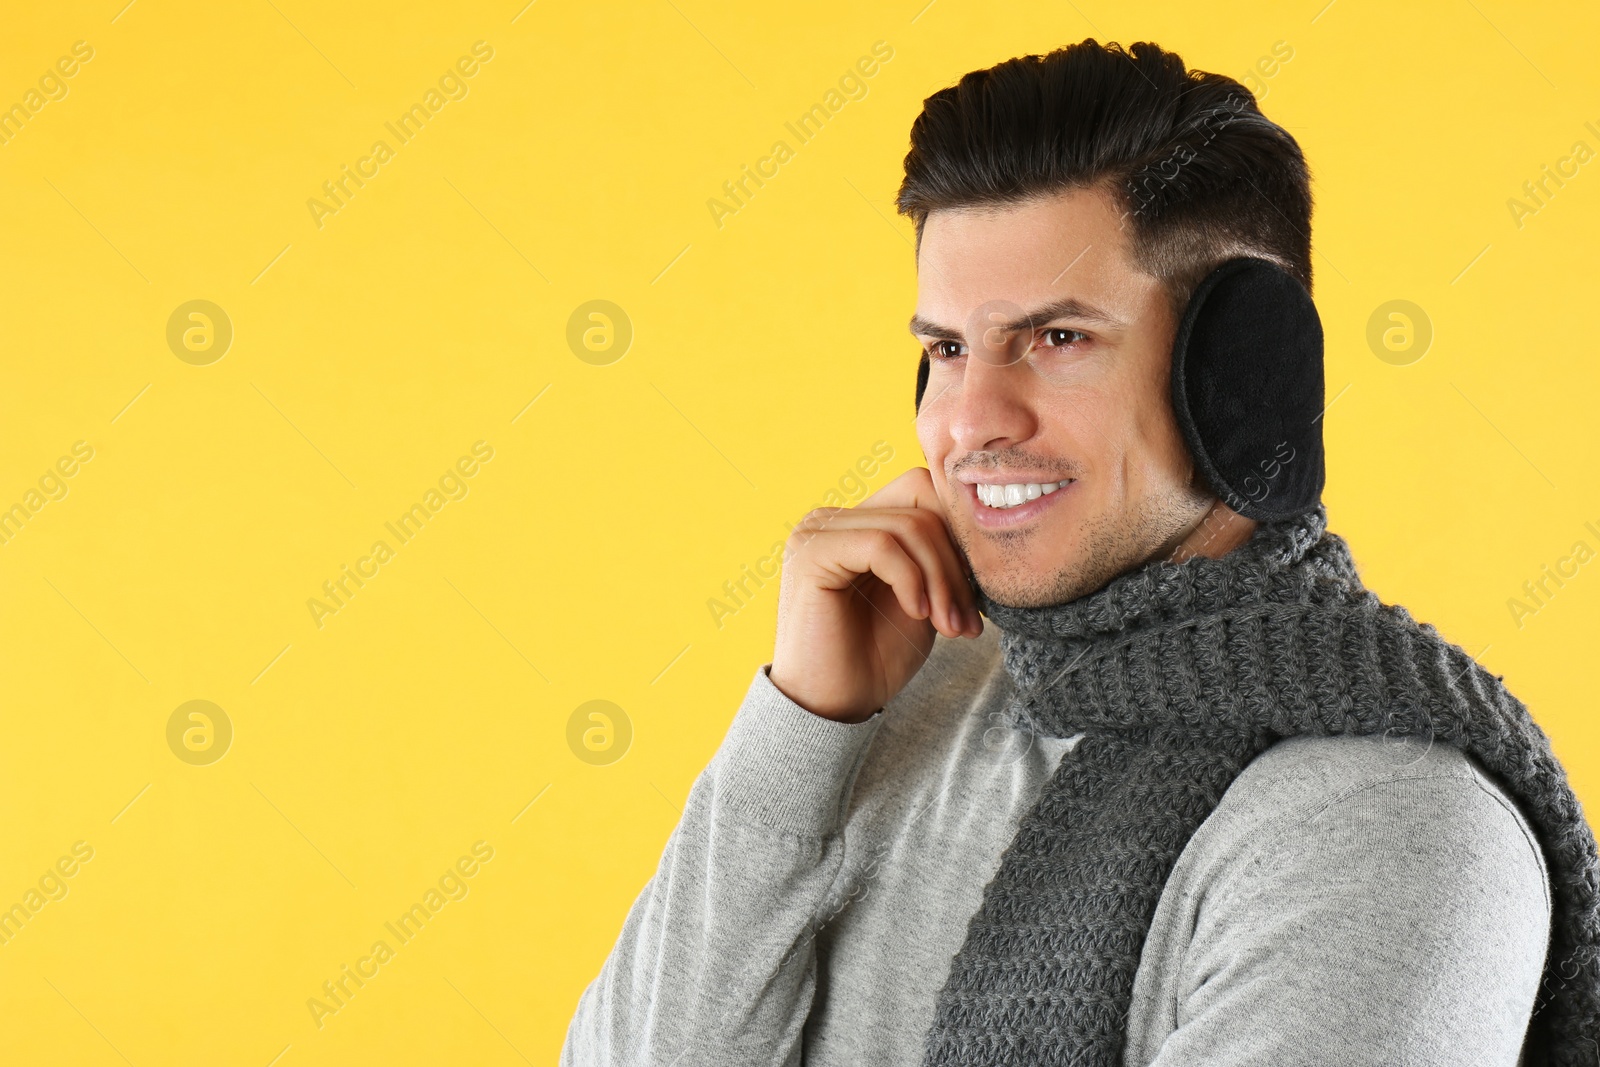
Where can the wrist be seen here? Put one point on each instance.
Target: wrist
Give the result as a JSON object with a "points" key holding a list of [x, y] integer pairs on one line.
{"points": [[852, 713]]}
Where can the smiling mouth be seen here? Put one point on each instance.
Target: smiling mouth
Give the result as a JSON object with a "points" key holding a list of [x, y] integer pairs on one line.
{"points": [[1002, 497]]}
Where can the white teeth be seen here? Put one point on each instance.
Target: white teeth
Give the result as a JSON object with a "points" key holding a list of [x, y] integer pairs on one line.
{"points": [[1009, 496]]}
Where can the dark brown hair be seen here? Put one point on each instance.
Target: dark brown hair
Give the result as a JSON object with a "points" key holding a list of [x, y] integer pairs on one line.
{"points": [[1201, 175]]}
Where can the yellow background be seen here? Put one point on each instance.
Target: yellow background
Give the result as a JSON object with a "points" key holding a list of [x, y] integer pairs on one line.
{"points": [[769, 354]]}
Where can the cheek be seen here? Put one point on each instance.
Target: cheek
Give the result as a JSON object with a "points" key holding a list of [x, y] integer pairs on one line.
{"points": [[1087, 423], [933, 434], [1158, 443], [1150, 432], [934, 438]]}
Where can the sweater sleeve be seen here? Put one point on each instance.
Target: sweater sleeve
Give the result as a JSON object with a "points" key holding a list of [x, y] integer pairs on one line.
{"points": [[715, 963], [1403, 923]]}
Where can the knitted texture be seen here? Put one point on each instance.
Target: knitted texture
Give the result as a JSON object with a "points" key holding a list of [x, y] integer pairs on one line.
{"points": [[1179, 674]]}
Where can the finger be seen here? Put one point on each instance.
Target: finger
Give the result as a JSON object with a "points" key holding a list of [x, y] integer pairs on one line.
{"points": [[846, 555], [935, 551], [913, 489], [925, 539]]}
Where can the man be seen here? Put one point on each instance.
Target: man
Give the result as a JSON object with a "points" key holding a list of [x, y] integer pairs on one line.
{"points": [[1203, 799]]}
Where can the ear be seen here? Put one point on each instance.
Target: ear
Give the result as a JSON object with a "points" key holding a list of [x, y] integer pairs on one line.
{"points": [[1247, 388], [922, 379]]}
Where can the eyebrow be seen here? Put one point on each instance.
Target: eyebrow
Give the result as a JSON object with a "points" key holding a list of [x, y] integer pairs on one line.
{"points": [[1066, 308]]}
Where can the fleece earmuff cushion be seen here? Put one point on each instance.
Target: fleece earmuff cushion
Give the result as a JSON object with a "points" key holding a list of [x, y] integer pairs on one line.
{"points": [[1247, 388]]}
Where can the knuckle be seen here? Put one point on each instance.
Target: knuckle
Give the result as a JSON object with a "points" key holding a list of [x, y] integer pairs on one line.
{"points": [[812, 522], [930, 530], [881, 540], [884, 547], [798, 544]]}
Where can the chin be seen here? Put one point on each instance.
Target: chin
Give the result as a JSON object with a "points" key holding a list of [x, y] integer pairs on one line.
{"points": [[1096, 554], [1042, 567], [1039, 585]]}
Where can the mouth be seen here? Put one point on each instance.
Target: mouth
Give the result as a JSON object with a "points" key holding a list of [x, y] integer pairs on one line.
{"points": [[998, 506]]}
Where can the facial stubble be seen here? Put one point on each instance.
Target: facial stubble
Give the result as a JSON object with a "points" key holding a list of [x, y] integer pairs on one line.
{"points": [[1103, 547]]}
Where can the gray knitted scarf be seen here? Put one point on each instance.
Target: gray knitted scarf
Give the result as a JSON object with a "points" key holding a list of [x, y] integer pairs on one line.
{"points": [[1179, 674]]}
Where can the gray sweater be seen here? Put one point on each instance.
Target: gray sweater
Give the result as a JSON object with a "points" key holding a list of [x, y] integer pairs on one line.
{"points": [[1350, 901]]}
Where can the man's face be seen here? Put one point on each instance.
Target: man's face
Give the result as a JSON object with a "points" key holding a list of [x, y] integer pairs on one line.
{"points": [[1087, 404]]}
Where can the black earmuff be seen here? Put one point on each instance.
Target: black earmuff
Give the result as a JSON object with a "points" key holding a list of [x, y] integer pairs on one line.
{"points": [[1247, 388]]}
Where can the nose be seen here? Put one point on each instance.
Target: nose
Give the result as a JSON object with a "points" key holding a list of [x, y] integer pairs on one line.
{"points": [[992, 408]]}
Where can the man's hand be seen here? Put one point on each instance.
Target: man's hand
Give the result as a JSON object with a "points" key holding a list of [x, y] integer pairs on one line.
{"points": [[864, 591]]}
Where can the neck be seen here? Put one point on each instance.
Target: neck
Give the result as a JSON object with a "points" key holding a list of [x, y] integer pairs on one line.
{"points": [[1219, 531]]}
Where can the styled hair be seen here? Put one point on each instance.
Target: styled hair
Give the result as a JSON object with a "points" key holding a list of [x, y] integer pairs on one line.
{"points": [[1200, 174]]}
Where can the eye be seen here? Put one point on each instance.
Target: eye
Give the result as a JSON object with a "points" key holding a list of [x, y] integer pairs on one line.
{"points": [[944, 350], [1060, 337]]}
